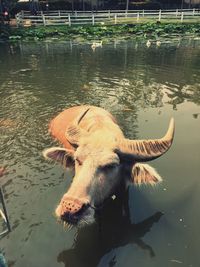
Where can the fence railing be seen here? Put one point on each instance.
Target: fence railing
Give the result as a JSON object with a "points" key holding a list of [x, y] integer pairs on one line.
{"points": [[64, 17]]}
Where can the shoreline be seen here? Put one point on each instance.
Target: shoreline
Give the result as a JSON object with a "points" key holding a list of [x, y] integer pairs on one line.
{"points": [[153, 31]]}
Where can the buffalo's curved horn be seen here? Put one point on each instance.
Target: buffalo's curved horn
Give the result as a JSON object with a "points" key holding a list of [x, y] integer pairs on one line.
{"points": [[74, 132], [146, 150]]}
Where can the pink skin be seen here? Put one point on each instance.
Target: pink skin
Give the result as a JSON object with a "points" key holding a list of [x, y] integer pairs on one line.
{"points": [[94, 180]]}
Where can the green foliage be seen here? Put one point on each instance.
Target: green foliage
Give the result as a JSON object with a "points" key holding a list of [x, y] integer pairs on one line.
{"points": [[146, 30]]}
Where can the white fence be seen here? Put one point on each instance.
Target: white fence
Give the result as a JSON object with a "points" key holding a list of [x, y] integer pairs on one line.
{"points": [[62, 17]]}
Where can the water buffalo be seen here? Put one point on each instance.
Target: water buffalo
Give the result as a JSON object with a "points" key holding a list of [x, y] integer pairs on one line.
{"points": [[102, 158]]}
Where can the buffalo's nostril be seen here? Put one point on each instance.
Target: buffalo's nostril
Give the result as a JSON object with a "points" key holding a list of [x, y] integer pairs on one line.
{"points": [[72, 209]]}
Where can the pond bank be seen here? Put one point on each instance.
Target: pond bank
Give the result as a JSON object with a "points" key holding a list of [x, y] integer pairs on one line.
{"points": [[91, 33]]}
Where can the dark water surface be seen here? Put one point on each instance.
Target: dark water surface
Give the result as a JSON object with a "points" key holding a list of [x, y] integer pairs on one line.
{"points": [[143, 87]]}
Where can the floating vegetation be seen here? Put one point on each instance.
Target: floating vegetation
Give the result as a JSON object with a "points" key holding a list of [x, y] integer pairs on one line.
{"points": [[83, 33]]}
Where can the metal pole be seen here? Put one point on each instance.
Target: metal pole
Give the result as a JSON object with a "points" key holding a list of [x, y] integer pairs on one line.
{"points": [[83, 5], [182, 4], [4, 209], [190, 3], [127, 4]]}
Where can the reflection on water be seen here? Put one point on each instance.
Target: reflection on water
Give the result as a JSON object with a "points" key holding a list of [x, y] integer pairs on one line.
{"points": [[143, 87], [112, 231]]}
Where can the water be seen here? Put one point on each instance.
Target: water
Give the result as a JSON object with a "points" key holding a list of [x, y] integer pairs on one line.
{"points": [[143, 87]]}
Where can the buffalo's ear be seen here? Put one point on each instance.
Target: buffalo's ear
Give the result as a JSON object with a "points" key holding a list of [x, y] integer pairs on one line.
{"points": [[61, 155], [144, 174]]}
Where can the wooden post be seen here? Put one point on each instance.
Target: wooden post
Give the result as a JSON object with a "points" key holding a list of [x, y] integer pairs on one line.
{"points": [[176, 12], [76, 14], [92, 19], [59, 13], [126, 14], [44, 21], [159, 16], [115, 18], [143, 12], [138, 16], [182, 14], [69, 20], [193, 11]]}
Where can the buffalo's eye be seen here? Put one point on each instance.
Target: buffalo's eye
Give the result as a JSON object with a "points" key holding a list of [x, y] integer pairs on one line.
{"points": [[109, 167]]}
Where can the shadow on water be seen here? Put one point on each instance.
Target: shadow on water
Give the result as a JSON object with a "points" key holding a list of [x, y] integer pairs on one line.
{"points": [[113, 230]]}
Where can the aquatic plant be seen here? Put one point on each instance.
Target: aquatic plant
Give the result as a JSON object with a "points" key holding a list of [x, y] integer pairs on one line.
{"points": [[88, 32]]}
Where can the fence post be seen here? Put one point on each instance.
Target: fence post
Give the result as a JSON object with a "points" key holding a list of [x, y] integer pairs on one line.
{"points": [[182, 14], [59, 13], [115, 18], [44, 21], [17, 19], [176, 12], [193, 11], [138, 16], [92, 19], [69, 20], [76, 14], [143, 12], [160, 14], [109, 14], [126, 14]]}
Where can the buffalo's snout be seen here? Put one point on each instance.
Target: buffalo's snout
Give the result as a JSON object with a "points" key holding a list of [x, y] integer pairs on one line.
{"points": [[71, 209]]}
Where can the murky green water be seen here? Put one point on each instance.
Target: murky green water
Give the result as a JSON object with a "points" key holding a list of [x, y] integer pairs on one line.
{"points": [[143, 87]]}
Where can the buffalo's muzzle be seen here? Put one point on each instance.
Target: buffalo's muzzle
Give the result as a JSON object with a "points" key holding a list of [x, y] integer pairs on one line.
{"points": [[72, 210]]}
